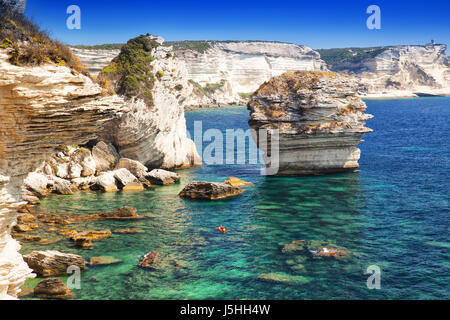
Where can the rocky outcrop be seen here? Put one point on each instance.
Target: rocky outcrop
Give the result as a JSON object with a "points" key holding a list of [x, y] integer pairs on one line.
{"points": [[209, 190], [154, 131], [400, 71], [52, 263], [319, 120], [47, 106]]}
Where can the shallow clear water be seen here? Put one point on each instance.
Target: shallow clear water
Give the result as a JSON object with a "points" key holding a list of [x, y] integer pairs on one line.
{"points": [[392, 213]]}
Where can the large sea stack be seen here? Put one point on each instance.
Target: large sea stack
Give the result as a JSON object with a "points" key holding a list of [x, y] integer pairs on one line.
{"points": [[319, 117]]}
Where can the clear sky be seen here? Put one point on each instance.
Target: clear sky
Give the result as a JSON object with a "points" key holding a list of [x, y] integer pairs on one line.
{"points": [[317, 24]]}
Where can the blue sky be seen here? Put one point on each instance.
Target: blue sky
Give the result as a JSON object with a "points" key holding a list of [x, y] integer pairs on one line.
{"points": [[317, 24]]}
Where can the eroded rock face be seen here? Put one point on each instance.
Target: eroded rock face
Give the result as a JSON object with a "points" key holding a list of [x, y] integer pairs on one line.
{"points": [[154, 131], [41, 108], [52, 263], [209, 190], [319, 118]]}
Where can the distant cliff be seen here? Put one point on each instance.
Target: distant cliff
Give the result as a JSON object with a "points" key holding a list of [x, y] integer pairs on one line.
{"points": [[227, 72], [394, 71], [224, 72], [231, 70]]}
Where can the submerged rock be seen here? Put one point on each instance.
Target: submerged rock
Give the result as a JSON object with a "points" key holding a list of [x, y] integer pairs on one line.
{"points": [[91, 235], [162, 177], [150, 260], [320, 120], [25, 227], [236, 182], [123, 213], [55, 219], [315, 249], [126, 231], [283, 278], [52, 289], [52, 263], [209, 190], [101, 261]]}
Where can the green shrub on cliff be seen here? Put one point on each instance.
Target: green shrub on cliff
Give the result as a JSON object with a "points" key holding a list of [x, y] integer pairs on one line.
{"points": [[338, 56], [130, 73], [207, 90], [197, 45], [30, 45]]}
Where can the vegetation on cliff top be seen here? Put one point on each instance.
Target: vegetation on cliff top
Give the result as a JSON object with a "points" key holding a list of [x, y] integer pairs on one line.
{"points": [[130, 73], [334, 57], [106, 46], [30, 45], [292, 82]]}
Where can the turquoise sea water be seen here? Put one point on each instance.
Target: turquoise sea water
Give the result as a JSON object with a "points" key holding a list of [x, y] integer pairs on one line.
{"points": [[393, 213]]}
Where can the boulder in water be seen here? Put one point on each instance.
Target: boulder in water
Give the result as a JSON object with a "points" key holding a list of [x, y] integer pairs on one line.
{"points": [[150, 260], [52, 263], [236, 182], [162, 177], [52, 289], [135, 167], [209, 190]]}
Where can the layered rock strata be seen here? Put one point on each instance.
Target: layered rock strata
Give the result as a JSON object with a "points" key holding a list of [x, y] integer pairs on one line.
{"points": [[401, 71], [41, 108], [319, 119], [154, 130], [226, 71]]}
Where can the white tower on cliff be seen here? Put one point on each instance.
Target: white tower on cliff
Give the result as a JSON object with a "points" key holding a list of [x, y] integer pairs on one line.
{"points": [[16, 5]]}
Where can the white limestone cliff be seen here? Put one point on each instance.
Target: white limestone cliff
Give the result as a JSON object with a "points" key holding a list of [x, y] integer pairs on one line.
{"points": [[234, 68], [319, 120], [41, 108], [403, 71]]}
